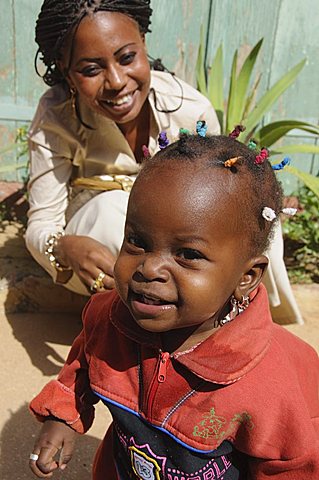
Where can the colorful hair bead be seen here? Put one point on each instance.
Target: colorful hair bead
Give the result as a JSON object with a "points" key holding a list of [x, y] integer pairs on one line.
{"points": [[262, 156], [162, 140], [282, 164], [146, 152], [252, 144], [269, 214], [231, 161], [237, 131], [201, 128], [184, 131], [289, 211]]}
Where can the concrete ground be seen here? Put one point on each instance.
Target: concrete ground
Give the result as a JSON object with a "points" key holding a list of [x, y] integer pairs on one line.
{"points": [[38, 324]]}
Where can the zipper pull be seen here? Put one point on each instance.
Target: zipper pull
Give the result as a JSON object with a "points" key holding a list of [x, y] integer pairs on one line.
{"points": [[161, 377]]}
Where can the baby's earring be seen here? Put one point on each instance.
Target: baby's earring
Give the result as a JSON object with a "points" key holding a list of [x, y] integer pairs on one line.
{"points": [[73, 98], [237, 307]]}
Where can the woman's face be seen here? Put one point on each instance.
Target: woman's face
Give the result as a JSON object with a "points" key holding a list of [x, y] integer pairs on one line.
{"points": [[109, 67]]}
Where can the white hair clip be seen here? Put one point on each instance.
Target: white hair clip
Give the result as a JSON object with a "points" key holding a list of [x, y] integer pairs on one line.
{"points": [[268, 214], [289, 211]]}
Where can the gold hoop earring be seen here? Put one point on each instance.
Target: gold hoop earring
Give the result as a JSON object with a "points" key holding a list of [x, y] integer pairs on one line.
{"points": [[73, 98]]}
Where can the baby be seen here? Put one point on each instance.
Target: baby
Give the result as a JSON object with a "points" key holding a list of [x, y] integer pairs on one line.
{"points": [[201, 384]]}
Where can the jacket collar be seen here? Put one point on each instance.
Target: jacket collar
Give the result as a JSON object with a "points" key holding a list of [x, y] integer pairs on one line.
{"points": [[225, 356]]}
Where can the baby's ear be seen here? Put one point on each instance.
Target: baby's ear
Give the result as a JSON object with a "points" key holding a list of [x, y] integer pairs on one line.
{"points": [[252, 277]]}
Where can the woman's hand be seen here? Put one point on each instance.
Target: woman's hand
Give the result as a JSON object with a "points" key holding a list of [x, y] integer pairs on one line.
{"points": [[54, 436], [88, 258]]}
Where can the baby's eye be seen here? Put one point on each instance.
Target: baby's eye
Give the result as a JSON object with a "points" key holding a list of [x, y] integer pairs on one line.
{"points": [[190, 254], [135, 240]]}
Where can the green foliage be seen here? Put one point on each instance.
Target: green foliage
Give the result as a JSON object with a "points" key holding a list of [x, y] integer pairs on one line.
{"points": [[301, 236], [19, 148], [240, 107]]}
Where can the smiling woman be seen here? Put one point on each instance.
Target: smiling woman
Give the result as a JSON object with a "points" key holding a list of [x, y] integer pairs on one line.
{"points": [[100, 118]]}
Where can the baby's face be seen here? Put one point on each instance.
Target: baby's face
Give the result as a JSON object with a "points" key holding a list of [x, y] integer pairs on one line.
{"points": [[180, 261]]}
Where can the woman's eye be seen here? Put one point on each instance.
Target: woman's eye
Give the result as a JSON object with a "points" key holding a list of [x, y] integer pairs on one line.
{"points": [[190, 254], [127, 58], [90, 71]]}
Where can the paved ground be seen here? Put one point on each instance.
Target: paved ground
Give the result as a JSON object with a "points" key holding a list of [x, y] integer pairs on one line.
{"points": [[34, 345]]}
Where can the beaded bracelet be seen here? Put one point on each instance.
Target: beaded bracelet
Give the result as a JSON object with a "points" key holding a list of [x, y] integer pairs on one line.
{"points": [[50, 244]]}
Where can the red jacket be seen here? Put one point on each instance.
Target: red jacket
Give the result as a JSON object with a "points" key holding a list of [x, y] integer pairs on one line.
{"points": [[248, 395]]}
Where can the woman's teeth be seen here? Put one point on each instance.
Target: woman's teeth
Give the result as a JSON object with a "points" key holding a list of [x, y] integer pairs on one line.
{"points": [[120, 101]]}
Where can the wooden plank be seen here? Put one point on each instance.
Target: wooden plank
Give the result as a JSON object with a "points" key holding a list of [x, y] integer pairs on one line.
{"points": [[176, 33], [297, 38], [29, 86], [240, 25], [7, 63]]}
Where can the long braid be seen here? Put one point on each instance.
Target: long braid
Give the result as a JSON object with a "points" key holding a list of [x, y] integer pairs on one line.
{"points": [[58, 18]]}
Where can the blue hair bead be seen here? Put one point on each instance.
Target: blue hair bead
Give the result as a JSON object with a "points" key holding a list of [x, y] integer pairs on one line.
{"points": [[282, 164], [201, 128]]}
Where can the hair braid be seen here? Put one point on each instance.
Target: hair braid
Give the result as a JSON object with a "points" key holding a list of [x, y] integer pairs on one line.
{"points": [[58, 18]]}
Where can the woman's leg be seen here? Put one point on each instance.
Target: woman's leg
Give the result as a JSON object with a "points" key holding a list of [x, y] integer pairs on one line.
{"points": [[284, 308], [101, 218]]}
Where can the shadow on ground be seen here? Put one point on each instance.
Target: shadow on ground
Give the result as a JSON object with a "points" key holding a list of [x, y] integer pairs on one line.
{"points": [[36, 332], [24, 285], [17, 439]]}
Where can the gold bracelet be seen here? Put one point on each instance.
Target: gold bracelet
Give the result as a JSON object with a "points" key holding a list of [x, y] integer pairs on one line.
{"points": [[50, 244]]}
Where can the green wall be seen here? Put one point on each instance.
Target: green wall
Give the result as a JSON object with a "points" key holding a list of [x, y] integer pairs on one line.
{"points": [[290, 32]]}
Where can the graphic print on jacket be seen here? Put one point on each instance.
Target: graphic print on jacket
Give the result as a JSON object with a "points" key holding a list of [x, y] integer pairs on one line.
{"points": [[145, 452]]}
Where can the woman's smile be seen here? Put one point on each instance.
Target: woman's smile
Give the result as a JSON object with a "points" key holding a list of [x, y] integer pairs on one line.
{"points": [[109, 67], [119, 105]]}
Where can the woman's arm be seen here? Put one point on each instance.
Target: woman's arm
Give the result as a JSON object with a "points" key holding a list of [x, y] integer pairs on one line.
{"points": [[48, 197]]}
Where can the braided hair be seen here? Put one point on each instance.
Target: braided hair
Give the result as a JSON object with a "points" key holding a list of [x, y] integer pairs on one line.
{"points": [[60, 18], [255, 185]]}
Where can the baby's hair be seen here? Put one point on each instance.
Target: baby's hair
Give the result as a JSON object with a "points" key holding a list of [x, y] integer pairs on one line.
{"points": [[256, 184], [60, 18]]}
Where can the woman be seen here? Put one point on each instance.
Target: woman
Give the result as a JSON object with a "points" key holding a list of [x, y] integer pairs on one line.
{"points": [[103, 113], [103, 108]]}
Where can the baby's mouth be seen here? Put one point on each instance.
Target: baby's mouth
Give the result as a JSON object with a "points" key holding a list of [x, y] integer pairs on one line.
{"points": [[148, 300]]}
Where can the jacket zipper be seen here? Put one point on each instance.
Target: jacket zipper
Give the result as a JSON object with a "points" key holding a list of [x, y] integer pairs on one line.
{"points": [[160, 377]]}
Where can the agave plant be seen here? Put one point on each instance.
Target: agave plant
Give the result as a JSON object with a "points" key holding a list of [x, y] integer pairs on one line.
{"points": [[240, 106]]}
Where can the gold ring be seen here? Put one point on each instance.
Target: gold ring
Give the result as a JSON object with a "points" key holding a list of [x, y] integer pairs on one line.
{"points": [[98, 283]]}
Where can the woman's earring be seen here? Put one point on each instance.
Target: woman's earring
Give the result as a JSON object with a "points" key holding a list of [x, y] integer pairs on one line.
{"points": [[73, 98], [237, 307]]}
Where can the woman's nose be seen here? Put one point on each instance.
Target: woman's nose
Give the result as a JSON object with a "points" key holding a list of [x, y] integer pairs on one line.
{"points": [[153, 268], [115, 79]]}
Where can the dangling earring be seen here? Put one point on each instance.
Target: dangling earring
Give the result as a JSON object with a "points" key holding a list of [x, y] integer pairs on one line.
{"points": [[237, 307], [73, 98]]}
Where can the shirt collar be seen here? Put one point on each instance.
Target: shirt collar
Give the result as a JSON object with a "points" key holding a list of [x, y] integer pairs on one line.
{"points": [[224, 357]]}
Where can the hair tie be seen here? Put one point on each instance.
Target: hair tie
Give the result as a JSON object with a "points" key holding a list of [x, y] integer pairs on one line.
{"points": [[237, 131], [162, 140], [146, 152], [231, 161], [201, 128], [269, 214], [262, 156], [184, 131], [282, 164], [289, 211], [252, 144]]}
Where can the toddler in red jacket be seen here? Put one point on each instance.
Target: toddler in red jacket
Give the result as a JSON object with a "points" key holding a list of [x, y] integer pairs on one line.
{"points": [[201, 384]]}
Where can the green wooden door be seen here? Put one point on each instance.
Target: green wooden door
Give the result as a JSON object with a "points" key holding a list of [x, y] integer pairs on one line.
{"points": [[289, 29]]}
